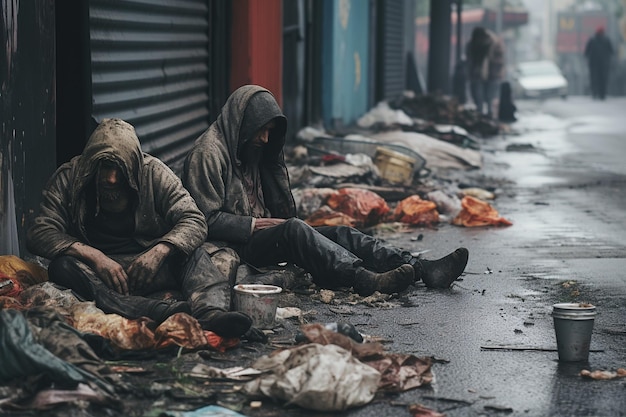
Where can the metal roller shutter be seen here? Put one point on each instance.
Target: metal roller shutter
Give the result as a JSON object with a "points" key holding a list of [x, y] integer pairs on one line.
{"points": [[391, 64], [150, 67]]}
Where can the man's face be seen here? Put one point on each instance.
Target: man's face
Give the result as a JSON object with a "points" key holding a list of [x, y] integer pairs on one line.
{"points": [[262, 136], [111, 181]]}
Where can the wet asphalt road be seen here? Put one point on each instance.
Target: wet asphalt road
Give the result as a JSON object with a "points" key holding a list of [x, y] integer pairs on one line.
{"points": [[563, 185]]}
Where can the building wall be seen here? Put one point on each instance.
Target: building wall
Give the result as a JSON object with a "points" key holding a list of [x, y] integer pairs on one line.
{"points": [[345, 60], [27, 131], [257, 45]]}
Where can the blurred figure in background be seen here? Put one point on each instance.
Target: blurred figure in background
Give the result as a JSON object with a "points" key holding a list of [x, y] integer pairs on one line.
{"points": [[506, 107], [485, 68], [598, 52]]}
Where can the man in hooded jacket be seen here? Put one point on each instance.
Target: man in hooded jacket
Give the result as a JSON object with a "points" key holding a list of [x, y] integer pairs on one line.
{"points": [[118, 225], [236, 172]]}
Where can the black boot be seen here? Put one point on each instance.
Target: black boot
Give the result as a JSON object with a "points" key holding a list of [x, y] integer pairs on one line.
{"points": [[225, 323], [441, 273], [396, 280]]}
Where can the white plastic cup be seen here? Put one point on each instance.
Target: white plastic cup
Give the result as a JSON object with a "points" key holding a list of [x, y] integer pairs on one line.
{"points": [[259, 302], [573, 325]]}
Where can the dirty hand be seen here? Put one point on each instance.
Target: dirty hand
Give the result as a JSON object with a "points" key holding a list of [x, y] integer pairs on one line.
{"points": [[266, 223], [143, 269], [111, 273]]}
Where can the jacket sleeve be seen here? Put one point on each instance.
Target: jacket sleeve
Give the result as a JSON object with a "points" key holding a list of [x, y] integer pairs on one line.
{"points": [[52, 231], [204, 178], [179, 210]]}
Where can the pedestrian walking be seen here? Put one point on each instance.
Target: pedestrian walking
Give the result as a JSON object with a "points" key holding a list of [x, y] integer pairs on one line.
{"points": [[485, 68], [236, 172], [598, 51]]}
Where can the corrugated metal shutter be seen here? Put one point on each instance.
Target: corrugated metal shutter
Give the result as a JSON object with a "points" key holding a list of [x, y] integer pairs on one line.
{"points": [[392, 55], [150, 67]]}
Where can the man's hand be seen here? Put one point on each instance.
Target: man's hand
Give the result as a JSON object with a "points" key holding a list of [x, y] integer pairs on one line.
{"points": [[109, 271], [265, 223], [142, 271]]}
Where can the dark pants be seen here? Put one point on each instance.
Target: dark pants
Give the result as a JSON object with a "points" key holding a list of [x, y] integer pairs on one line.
{"points": [[331, 254], [598, 77], [483, 93], [196, 277]]}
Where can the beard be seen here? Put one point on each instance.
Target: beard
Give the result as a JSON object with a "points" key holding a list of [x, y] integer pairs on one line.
{"points": [[109, 195], [114, 199], [251, 154]]}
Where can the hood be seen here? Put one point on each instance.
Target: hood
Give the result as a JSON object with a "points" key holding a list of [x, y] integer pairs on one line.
{"points": [[113, 140], [247, 110]]}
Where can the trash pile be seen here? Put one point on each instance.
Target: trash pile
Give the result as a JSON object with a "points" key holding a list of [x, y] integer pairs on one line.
{"points": [[57, 349], [390, 169], [385, 169]]}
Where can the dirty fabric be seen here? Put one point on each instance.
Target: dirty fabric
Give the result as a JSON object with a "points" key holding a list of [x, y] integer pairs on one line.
{"points": [[438, 154], [179, 329], [27, 273], [213, 168], [476, 213], [413, 210], [399, 372], [325, 216], [365, 206], [165, 212], [23, 356], [316, 377], [318, 333]]}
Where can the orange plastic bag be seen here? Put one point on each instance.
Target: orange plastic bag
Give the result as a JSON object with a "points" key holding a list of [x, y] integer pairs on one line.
{"points": [[413, 210], [365, 207], [475, 213], [27, 273], [325, 216]]}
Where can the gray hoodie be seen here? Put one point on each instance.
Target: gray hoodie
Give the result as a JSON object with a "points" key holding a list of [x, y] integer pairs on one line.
{"points": [[213, 168]]}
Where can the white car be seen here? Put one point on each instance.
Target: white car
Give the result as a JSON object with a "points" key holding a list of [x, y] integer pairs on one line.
{"points": [[539, 79]]}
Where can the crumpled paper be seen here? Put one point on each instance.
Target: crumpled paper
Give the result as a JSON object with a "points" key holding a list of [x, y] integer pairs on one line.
{"points": [[316, 377]]}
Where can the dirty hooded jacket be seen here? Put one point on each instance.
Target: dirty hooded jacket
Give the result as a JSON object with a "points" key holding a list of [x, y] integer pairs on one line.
{"points": [[164, 210], [213, 171]]}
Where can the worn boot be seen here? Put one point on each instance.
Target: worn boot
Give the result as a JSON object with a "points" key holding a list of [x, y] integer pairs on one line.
{"points": [[133, 307], [441, 273], [396, 280], [225, 323]]}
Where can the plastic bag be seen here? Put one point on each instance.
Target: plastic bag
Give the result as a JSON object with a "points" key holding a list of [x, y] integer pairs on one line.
{"points": [[477, 213], [312, 376]]}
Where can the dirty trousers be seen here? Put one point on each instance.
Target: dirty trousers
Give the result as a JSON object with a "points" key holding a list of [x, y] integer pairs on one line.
{"points": [[204, 287], [331, 254]]}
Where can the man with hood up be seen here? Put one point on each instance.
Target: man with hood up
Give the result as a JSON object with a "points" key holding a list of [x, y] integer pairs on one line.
{"points": [[236, 172], [118, 225]]}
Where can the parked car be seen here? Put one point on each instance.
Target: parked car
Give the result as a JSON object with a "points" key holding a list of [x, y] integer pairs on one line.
{"points": [[539, 79]]}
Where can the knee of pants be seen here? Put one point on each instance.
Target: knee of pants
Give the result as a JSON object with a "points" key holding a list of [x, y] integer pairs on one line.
{"points": [[60, 267], [294, 225]]}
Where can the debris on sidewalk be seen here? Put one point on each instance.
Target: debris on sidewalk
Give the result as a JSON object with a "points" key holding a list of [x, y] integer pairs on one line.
{"points": [[399, 372], [415, 211], [316, 377], [419, 410], [208, 411], [477, 213], [603, 375]]}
